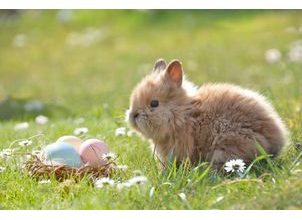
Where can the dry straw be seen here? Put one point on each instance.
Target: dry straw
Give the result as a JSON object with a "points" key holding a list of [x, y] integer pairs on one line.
{"points": [[38, 169]]}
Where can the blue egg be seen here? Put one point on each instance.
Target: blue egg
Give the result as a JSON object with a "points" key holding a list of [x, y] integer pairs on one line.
{"points": [[62, 153]]}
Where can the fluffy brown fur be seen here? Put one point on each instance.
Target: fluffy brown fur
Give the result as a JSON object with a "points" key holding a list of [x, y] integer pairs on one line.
{"points": [[216, 123]]}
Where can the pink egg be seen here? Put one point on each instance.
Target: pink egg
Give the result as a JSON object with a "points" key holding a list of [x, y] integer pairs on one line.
{"points": [[92, 151]]}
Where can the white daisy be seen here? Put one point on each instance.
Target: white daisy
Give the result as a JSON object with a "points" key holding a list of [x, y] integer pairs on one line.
{"points": [[21, 126], [100, 183], [121, 186], [120, 131], [41, 119], [109, 156], [273, 55], [25, 143], [86, 38], [20, 40], [235, 166], [6, 153], [80, 131], [137, 180], [291, 29], [295, 53], [42, 182], [2, 169]]}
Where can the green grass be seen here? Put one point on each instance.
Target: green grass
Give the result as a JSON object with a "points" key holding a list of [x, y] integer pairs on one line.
{"points": [[95, 82]]}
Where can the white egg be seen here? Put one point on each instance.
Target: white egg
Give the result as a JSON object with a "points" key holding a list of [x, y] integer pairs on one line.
{"points": [[72, 140]]}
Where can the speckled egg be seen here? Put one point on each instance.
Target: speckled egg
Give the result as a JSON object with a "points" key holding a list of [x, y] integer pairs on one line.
{"points": [[72, 140], [62, 153], [91, 152]]}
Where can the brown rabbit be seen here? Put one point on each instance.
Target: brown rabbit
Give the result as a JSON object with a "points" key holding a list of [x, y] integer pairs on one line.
{"points": [[215, 123]]}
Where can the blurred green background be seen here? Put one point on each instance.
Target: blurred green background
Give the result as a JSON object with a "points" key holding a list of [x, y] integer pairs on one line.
{"points": [[75, 61]]}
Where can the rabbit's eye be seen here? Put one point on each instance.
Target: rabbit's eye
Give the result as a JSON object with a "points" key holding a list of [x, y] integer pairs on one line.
{"points": [[154, 103]]}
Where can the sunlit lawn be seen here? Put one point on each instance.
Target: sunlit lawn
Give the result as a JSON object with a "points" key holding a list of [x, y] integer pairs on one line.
{"points": [[82, 65]]}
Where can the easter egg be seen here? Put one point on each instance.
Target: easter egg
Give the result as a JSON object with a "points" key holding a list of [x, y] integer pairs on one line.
{"points": [[72, 140], [62, 153], [91, 152]]}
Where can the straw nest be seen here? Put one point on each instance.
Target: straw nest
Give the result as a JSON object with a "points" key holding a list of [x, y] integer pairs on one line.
{"points": [[38, 169]]}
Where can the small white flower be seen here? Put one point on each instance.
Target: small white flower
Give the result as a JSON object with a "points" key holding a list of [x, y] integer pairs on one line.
{"points": [[121, 186], [42, 182], [109, 156], [21, 126], [137, 180], [2, 169], [87, 38], [273, 55], [25, 143], [100, 183], [20, 40], [6, 153], [235, 166], [291, 29], [121, 167], [80, 131], [120, 131], [295, 53], [151, 193], [41, 119], [182, 196]]}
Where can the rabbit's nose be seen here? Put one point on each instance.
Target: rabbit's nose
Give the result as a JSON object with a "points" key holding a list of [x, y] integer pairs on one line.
{"points": [[135, 115]]}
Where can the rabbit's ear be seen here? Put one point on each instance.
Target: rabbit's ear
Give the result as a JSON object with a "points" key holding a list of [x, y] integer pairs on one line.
{"points": [[174, 73], [159, 65]]}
